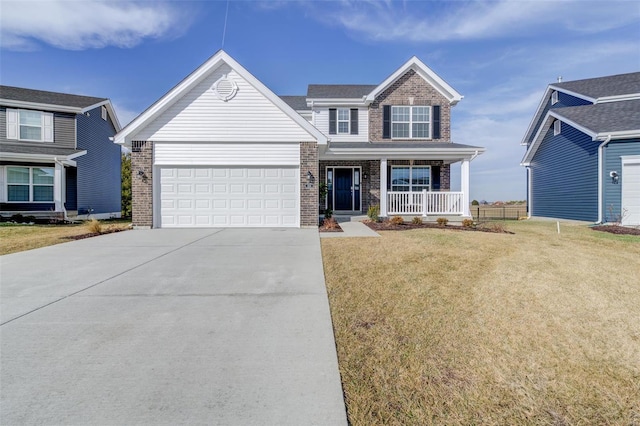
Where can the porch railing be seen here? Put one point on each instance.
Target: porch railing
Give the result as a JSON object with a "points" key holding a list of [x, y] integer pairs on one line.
{"points": [[424, 203]]}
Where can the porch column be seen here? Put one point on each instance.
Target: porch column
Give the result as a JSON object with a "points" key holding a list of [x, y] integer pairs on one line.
{"points": [[383, 187], [58, 187], [464, 186]]}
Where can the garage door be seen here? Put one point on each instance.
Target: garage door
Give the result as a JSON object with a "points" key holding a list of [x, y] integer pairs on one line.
{"points": [[229, 196], [631, 193]]}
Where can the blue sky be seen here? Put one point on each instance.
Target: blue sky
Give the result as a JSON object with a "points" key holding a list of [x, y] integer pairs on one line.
{"points": [[499, 54]]}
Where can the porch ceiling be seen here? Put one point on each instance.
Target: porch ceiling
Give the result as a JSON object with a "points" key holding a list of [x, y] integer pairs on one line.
{"points": [[399, 151]]}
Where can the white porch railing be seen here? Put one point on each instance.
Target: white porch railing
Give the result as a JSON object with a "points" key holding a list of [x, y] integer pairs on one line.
{"points": [[424, 203]]}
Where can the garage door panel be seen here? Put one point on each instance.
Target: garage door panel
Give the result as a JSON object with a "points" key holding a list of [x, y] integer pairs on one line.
{"points": [[631, 194], [232, 196]]}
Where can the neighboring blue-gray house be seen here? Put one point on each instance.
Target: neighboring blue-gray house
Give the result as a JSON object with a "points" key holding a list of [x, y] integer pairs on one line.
{"points": [[583, 151], [56, 155]]}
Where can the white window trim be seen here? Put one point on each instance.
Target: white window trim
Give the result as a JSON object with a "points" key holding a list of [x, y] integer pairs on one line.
{"points": [[103, 112], [411, 122], [557, 127], [410, 184], [338, 121], [30, 185], [554, 97], [13, 127]]}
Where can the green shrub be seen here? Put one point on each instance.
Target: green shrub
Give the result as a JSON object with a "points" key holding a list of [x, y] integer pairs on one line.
{"points": [[442, 221], [467, 223], [475, 203], [328, 213], [397, 220], [417, 220], [374, 213]]}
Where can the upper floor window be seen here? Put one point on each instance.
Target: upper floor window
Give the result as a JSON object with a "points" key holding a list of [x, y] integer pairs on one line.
{"points": [[343, 121], [410, 122], [30, 184], [554, 97], [28, 125]]}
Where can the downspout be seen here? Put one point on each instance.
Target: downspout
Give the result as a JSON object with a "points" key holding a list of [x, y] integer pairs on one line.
{"points": [[600, 165], [62, 200]]}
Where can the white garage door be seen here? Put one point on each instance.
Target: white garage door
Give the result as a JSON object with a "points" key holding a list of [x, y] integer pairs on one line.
{"points": [[229, 197], [631, 193]]}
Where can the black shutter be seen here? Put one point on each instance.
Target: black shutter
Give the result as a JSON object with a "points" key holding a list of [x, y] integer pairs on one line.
{"points": [[332, 121], [436, 122], [386, 122], [354, 121]]}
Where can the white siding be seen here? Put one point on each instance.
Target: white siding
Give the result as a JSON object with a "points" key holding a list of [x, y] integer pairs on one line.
{"points": [[200, 116], [321, 121], [220, 154]]}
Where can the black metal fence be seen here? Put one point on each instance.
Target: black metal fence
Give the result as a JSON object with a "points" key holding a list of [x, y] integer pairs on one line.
{"points": [[486, 213]]}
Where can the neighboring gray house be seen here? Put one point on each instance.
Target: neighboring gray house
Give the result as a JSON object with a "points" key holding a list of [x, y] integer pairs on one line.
{"points": [[57, 158], [220, 149], [583, 151]]}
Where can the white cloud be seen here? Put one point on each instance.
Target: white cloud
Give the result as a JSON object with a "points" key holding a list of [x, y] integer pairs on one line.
{"points": [[79, 25], [429, 21]]}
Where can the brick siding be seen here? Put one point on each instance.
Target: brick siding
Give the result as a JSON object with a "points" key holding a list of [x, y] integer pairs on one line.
{"points": [[142, 186], [410, 85], [309, 189]]}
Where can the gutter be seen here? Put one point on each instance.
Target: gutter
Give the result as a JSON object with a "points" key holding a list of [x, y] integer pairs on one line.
{"points": [[600, 166]]}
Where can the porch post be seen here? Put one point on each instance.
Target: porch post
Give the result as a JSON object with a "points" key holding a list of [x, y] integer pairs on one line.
{"points": [[383, 187], [464, 186], [58, 187]]}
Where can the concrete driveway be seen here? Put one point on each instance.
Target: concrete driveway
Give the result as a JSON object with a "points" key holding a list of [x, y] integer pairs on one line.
{"points": [[169, 327]]}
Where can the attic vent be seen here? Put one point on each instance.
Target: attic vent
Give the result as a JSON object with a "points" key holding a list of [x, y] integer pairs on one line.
{"points": [[225, 89]]}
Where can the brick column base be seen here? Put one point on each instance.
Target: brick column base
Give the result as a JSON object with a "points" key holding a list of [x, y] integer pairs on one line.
{"points": [[309, 187], [142, 184]]}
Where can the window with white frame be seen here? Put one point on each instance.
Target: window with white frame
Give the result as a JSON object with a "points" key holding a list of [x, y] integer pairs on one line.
{"points": [[103, 112], [30, 184], [554, 97], [410, 122], [557, 127], [28, 125], [343, 120], [410, 178]]}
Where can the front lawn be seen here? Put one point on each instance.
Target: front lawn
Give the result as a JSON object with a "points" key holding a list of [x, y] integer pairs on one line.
{"points": [[19, 237], [443, 327]]}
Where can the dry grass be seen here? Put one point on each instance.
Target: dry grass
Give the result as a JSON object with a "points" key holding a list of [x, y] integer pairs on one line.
{"points": [[16, 238], [441, 327]]}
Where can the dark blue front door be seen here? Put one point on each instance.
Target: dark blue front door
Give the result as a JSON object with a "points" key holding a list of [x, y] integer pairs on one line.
{"points": [[343, 184]]}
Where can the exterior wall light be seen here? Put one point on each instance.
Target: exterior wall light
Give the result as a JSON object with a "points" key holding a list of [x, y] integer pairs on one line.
{"points": [[615, 177]]}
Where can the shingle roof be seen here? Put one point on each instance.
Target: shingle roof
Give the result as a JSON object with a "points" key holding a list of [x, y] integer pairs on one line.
{"points": [[339, 91], [605, 117], [299, 103], [44, 97], [37, 150], [613, 85], [403, 145]]}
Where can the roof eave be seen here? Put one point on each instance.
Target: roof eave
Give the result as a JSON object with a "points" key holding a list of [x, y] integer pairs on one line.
{"points": [[44, 157], [38, 105]]}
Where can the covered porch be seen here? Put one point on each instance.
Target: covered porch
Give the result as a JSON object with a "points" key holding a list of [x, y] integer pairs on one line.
{"points": [[402, 179]]}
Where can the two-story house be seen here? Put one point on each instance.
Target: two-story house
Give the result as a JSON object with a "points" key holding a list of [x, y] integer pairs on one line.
{"points": [[56, 156], [221, 149], [583, 151]]}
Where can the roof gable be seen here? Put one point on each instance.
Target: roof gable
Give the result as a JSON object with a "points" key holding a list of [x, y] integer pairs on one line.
{"points": [[423, 71], [194, 92], [339, 91]]}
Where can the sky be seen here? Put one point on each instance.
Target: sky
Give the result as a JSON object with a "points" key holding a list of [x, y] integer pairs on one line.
{"points": [[500, 55]]}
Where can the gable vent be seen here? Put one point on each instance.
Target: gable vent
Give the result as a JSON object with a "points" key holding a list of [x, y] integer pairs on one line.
{"points": [[225, 88]]}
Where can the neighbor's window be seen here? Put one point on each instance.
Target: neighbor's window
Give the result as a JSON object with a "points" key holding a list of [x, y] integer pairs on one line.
{"points": [[27, 125], [557, 127], [554, 97], [30, 184], [343, 120], [409, 122], [103, 112], [410, 178]]}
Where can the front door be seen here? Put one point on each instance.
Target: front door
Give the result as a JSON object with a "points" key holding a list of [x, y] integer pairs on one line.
{"points": [[343, 187]]}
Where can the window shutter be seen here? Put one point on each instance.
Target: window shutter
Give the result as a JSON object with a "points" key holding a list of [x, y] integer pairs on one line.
{"points": [[332, 121], [436, 122], [12, 123], [386, 122], [354, 121], [47, 127]]}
